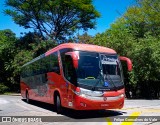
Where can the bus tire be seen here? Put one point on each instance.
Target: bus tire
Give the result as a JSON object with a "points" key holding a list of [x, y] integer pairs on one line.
{"points": [[27, 97], [58, 105]]}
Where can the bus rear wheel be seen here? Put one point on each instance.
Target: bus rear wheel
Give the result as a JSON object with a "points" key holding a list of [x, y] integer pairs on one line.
{"points": [[58, 105], [27, 97]]}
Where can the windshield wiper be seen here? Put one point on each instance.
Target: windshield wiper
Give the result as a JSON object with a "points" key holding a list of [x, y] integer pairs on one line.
{"points": [[110, 79], [101, 78]]}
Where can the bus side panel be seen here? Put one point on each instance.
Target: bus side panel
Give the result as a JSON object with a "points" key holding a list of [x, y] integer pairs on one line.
{"points": [[62, 89], [23, 89], [27, 85], [70, 95], [43, 91], [53, 80]]}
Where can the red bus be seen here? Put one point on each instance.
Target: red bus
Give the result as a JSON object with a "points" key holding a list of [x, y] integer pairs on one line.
{"points": [[76, 76]]}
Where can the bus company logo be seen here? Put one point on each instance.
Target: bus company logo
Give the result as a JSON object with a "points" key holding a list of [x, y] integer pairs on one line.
{"points": [[108, 59], [105, 98], [6, 119]]}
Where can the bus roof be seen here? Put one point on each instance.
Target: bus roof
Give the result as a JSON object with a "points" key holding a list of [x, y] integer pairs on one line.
{"points": [[75, 46], [82, 47]]}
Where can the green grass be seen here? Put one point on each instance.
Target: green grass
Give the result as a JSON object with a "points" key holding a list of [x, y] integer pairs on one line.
{"points": [[11, 93]]}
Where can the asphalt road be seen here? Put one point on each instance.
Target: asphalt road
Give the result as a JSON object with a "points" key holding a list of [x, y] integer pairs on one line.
{"points": [[19, 112]]}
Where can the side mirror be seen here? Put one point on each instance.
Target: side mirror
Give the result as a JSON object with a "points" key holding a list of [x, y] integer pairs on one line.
{"points": [[129, 62], [75, 57]]}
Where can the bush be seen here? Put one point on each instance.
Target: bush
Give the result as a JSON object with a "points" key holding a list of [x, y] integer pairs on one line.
{"points": [[3, 88]]}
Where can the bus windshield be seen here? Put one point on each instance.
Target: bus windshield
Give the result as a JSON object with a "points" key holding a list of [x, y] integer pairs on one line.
{"points": [[99, 70]]}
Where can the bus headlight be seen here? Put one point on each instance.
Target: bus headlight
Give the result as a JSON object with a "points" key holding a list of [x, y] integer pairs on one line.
{"points": [[80, 92], [84, 92], [83, 95], [122, 95]]}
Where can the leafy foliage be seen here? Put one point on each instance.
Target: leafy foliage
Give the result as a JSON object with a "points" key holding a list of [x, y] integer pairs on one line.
{"points": [[84, 38], [55, 19], [136, 35], [14, 53], [7, 52], [3, 88]]}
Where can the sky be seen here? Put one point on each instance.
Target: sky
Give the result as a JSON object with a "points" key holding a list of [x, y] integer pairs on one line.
{"points": [[110, 10]]}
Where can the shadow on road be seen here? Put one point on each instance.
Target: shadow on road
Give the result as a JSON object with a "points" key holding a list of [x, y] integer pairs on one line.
{"points": [[79, 115]]}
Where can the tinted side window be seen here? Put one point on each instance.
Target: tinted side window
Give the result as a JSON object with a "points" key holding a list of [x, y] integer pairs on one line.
{"points": [[68, 69], [54, 65], [46, 64], [62, 53]]}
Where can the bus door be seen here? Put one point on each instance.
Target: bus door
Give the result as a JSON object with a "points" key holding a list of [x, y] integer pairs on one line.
{"points": [[69, 79]]}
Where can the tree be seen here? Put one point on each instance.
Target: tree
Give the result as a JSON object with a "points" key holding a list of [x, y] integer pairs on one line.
{"points": [[84, 38], [7, 52], [136, 35], [28, 47], [143, 18], [14, 53], [55, 19]]}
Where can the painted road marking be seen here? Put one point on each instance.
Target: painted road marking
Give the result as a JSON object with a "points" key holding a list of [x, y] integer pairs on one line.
{"points": [[109, 122]]}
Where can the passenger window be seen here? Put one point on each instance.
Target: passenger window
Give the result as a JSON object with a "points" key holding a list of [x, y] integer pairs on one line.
{"points": [[54, 65]]}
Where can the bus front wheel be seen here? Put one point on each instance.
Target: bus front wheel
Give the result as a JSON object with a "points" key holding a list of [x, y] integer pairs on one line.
{"points": [[58, 105]]}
